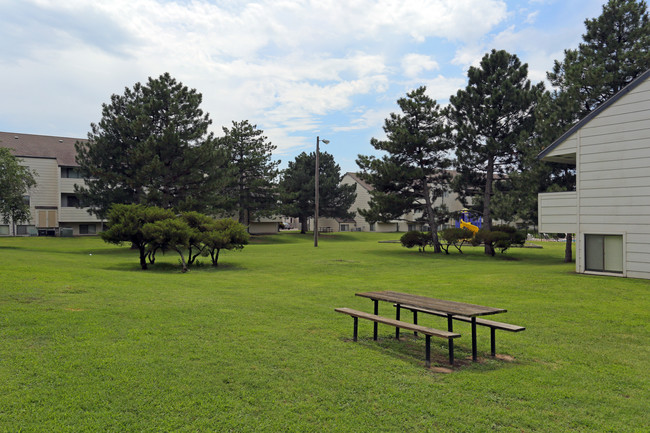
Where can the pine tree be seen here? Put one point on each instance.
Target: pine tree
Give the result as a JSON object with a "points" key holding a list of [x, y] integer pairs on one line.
{"points": [[489, 118], [414, 174], [615, 50], [253, 191], [297, 193], [151, 147]]}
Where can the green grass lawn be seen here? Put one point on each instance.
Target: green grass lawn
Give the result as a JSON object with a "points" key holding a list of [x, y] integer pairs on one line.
{"points": [[89, 342]]}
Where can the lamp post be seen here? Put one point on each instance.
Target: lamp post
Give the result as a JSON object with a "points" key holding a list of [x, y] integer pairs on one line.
{"points": [[318, 140]]}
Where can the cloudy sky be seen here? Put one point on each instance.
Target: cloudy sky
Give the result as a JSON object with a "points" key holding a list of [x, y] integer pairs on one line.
{"points": [[296, 68]]}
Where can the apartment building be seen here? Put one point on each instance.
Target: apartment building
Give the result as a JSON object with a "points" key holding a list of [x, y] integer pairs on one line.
{"points": [[610, 209], [410, 221], [53, 204]]}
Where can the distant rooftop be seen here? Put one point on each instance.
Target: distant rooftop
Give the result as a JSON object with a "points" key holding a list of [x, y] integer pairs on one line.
{"points": [[360, 181], [41, 146]]}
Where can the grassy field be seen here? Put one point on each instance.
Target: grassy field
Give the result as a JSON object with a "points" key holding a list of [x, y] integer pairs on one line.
{"points": [[88, 342]]}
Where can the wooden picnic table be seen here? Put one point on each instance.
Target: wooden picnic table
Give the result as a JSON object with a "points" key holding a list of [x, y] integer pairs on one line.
{"points": [[450, 308]]}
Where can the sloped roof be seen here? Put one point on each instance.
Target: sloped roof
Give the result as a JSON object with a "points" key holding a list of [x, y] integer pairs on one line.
{"points": [[625, 90], [41, 146], [361, 182]]}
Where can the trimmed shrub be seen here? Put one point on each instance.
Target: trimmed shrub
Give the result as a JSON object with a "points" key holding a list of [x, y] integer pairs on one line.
{"points": [[416, 238]]}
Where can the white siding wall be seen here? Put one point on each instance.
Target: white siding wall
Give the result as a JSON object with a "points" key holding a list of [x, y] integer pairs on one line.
{"points": [[558, 212], [613, 160]]}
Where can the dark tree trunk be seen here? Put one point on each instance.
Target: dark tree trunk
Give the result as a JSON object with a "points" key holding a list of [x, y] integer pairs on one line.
{"points": [[568, 256], [214, 254], [143, 257], [183, 264], [303, 224], [487, 197], [432, 221]]}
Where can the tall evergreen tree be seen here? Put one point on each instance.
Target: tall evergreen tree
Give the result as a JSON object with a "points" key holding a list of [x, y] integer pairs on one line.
{"points": [[615, 50], [489, 118], [297, 193], [151, 147], [253, 191], [414, 173]]}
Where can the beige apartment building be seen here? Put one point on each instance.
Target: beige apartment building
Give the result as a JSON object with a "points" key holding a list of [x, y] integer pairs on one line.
{"points": [[410, 221], [53, 203]]}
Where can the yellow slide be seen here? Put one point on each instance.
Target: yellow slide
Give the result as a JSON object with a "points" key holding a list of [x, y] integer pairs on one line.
{"points": [[469, 226]]}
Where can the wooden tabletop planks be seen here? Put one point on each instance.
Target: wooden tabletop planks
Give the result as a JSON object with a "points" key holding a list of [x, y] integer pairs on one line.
{"points": [[449, 307]]}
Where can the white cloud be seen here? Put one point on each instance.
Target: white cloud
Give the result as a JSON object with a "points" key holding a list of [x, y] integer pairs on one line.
{"points": [[441, 88], [414, 64], [369, 118], [531, 17]]}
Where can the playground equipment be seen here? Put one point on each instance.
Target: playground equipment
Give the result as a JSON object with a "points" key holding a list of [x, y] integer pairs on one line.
{"points": [[468, 221], [469, 226]]}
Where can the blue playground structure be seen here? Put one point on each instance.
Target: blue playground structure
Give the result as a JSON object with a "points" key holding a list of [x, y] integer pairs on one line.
{"points": [[469, 221]]}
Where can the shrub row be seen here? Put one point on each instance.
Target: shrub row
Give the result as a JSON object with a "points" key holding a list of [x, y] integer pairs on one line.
{"points": [[501, 237]]}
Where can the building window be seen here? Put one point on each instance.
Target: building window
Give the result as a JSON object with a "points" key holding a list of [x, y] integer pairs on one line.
{"points": [[412, 227], [345, 227], [4, 230], [70, 173], [24, 229], [604, 253], [87, 229], [26, 200], [69, 201], [372, 227]]}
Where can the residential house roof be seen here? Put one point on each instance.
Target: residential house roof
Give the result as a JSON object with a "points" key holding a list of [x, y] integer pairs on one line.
{"points": [[41, 146], [361, 182], [633, 84]]}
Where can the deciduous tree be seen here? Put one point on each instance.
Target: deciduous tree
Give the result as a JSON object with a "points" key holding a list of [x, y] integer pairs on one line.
{"points": [[15, 182]]}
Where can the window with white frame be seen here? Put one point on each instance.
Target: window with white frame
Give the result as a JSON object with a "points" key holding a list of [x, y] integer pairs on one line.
{"points": [[604, 253]]}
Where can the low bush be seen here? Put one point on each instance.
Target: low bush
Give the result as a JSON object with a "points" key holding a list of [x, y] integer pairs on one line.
{"points": [[416, 238]]}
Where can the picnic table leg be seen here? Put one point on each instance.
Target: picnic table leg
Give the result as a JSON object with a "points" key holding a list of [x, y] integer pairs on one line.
{"points": [[374, 335], [356, 329], [415, 322], [428, 351], [493, 345], [397, 317], [450, 323], [451, 351], [474, 339]]}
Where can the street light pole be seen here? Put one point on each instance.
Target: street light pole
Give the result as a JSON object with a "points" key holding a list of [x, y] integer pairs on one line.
{"points": [[316, 188]]}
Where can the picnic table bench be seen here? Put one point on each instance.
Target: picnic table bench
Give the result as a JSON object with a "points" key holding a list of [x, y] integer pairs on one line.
{"points": [[483, 322], [428, 332]]}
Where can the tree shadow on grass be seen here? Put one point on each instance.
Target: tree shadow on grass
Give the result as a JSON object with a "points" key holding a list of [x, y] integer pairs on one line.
{"points": [[172, 268]]}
